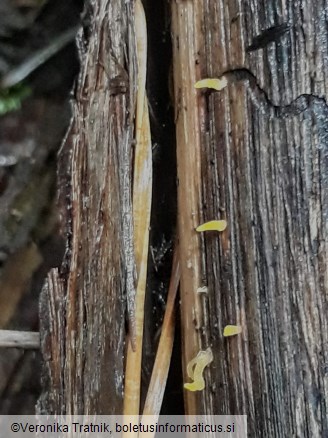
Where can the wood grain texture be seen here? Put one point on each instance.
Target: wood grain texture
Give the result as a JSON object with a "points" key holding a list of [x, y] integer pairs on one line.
{"points": [[269, 179], [83, 304], [189, 180]]}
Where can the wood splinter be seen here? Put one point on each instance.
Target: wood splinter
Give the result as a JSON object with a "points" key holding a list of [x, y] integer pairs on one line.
{"points": [[18, 339]]}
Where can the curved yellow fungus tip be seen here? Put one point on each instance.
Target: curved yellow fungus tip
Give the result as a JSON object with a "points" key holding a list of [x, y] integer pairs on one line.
{"points": [[195, 369], [214, 83], [213, 226], [231, 330]]}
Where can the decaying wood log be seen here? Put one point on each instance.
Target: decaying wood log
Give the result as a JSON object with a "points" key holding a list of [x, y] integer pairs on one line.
{"points": [[255, 154], [83, 303]]}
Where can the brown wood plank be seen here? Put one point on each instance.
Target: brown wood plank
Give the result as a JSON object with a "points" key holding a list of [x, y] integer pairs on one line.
{"points": [[83, 304], [268, 177]]}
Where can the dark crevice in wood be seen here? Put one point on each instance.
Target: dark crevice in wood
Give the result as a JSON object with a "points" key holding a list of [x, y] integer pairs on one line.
{"points": [[262, 101], [163, 216]]}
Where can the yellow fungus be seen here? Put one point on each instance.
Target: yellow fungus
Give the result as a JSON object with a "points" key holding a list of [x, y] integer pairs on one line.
{"points": [[231, 330], [213, 226], [195, 369], [190, 367], [215, 83]]}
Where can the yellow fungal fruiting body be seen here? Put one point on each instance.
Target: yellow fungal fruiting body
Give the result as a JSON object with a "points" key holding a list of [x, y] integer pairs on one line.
{"points": [[231, 330], [214, 83], [213, 226], [195, 369]]}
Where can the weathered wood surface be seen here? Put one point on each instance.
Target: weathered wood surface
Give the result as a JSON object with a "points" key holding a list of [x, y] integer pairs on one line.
{"points": [[268, 177], [83, 304]]}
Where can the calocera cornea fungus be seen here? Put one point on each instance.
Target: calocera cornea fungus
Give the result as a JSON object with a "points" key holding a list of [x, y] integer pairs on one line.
{"points": [[231, 330], [216, 225], [202, 290], [195, 369], [214, 83]]}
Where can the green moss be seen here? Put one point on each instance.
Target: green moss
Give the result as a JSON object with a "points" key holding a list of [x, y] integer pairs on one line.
{"points": [[11, 98]]}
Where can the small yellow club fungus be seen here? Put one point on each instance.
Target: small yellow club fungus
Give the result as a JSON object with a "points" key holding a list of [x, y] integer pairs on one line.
{"points": [[231, 330], [214, 83], [212, 226], [195, 369]]}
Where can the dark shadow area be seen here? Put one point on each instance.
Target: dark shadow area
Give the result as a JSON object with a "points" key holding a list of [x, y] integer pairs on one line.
{"points": [[163, 217]]}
